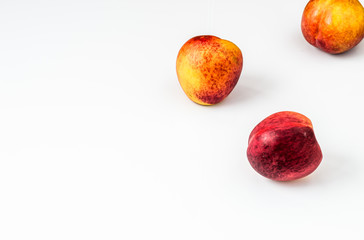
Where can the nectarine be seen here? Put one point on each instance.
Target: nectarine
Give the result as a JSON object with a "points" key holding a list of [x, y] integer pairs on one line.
{"points": [[208, 68], [334, 26], [283, 147]]}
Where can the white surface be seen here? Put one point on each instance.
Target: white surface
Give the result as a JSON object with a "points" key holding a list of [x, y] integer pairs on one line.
{"points": [[98, 140]]}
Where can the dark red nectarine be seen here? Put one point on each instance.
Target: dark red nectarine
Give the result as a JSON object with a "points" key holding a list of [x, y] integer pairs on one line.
{"points": [[283, 147]]}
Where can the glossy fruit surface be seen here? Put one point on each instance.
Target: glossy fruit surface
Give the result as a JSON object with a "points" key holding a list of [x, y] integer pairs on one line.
{"points": [[208, 68], [334, 26], [283, 147]]}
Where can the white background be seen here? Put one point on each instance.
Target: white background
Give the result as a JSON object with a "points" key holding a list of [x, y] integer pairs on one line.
{"points": [[98, 140]]}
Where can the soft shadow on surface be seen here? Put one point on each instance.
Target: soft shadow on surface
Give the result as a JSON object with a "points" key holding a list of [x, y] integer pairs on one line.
{"points": [[333, 168], [336, 167], [297, 183], [357, 51], [247, 88], [303, 46], [300, 44]]}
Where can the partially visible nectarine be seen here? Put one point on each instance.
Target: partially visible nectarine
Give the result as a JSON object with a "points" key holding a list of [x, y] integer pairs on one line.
{"points": [[208, 68], [334, 26]]}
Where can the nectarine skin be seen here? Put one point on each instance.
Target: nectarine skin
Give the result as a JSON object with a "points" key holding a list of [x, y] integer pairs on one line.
{"points": [[334, 26], [283, 147], [208, 68]]}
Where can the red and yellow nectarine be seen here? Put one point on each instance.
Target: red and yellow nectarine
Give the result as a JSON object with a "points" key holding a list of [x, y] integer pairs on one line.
{"points": [[208, 68], [334, 26]]}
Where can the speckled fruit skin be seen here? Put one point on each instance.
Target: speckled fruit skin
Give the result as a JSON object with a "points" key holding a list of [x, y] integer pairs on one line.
{"points": [[334, 26], [208, 68], [283, 147]]}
